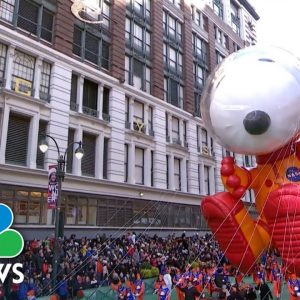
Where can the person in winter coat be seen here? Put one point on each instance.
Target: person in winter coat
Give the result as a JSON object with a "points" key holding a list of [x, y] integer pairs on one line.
{"points": [[63, 289], [235, 294], [190, 292], [264, 291]]}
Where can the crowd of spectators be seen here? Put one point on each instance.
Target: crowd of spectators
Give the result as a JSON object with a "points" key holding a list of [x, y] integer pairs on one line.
{"points": [[86, 263]]}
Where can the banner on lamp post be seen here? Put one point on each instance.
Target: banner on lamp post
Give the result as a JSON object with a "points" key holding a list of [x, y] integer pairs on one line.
{"points": [[52, 187]]}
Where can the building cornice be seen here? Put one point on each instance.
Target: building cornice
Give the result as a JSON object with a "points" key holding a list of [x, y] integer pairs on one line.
{"points": [[250, 9]]}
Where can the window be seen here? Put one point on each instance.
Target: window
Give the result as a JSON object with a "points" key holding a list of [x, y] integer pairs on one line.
{"points": [[73, 95], [127, 123], [17, 140], [172, 27], [185, 133], [105, 13], [218, 8], [200, 19], [90, 98], [22, 73], [152, 168], [204, 140], [70, 154], [175, 131], [167, 173], [198, 128], [29, 207], [200, 49], [249, 161], [206, 181], [212, 150], [150, 120], [138, 37], [219, 57], [197, 101], [139, 165], [177, 174], [7, 10], [105, 106], [138, 117], [35, 19], [45, 81], [187, 176], [105, 157], [200, 75], [70, 209], [41, 135], [177, 3], [173, 92], [137, 73], [236, 47], [88, 160], [221, 38], [167, 127], [3, 54], [91, 47], [140, 8], [235, 19], [250, 196], [199, 178], [81, 211], [125, 162], [172, 59]]}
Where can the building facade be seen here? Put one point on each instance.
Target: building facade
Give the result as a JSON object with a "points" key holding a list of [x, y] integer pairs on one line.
{"points": [[129, 89]]}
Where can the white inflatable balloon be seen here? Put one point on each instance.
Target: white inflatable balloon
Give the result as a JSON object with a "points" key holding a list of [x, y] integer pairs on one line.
{"points": [[251, 102]]}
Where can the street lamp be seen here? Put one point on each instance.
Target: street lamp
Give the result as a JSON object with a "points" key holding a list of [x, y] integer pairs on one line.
{"points": [[60, 173]]}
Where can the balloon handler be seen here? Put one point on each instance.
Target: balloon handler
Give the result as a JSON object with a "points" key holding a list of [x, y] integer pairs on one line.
{"points": [[251, 106]]}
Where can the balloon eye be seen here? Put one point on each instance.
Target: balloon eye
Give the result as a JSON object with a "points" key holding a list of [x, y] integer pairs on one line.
{"points": [[257, 122]]}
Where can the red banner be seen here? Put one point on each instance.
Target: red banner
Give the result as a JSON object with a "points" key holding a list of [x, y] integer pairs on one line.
{"points": [[52, 187]]}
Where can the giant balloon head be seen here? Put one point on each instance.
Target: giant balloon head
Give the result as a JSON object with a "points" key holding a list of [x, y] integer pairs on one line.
{"points": [[251, 103]]}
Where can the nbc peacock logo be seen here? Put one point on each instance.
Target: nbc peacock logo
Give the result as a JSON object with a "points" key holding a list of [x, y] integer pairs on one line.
{"points": [[11, 245]]}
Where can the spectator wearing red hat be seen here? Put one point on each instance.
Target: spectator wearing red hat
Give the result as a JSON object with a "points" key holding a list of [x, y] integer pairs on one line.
{"points": [[31, 295]]}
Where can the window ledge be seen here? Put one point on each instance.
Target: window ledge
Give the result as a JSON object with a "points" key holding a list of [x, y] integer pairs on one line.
{"points": [[139, 134], [179, 147], [24, 97], [221, 48], [84, 116], [209, 156]]}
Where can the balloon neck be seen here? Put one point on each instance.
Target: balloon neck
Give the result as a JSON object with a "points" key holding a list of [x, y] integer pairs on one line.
{"points": [[283, 152]]}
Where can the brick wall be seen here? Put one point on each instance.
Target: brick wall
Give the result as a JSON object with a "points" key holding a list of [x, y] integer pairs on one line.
{"points": [[157, 49], [117, 69], [188, 61], [63, 28]]}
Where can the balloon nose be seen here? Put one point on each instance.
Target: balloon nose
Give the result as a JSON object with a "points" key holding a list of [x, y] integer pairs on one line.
{"points": [[257, 122]]}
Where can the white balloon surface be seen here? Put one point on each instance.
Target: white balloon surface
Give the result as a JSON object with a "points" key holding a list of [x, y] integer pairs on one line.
{"points": [[251, 102]]}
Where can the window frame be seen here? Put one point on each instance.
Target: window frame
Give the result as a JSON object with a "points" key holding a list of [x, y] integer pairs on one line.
{"points": [[177, 173], [80, 46], [139, 167], [174, 33], [146, 73]]}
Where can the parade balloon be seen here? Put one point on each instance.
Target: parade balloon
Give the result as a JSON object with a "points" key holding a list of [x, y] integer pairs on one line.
{"points": [[251, 105]]}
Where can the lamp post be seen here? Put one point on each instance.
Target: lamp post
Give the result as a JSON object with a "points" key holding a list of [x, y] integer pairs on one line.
{"points": [[60, 175]]}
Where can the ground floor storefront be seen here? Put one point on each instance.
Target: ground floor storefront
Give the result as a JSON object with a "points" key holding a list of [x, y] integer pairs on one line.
{"points": [[89, 213]]}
